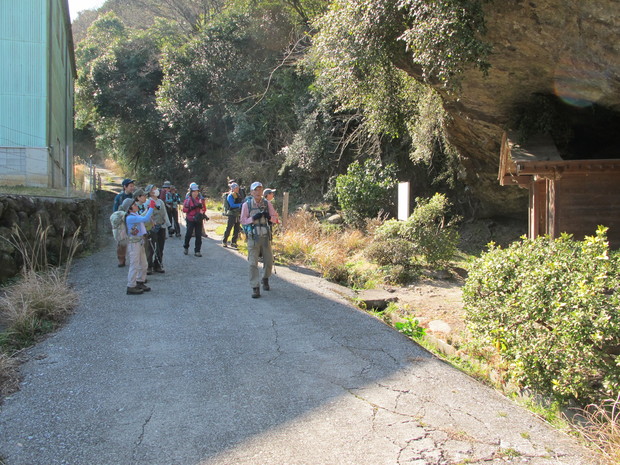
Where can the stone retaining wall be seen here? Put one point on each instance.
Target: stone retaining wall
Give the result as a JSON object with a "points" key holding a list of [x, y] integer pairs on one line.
{"points": [[63, 216]]}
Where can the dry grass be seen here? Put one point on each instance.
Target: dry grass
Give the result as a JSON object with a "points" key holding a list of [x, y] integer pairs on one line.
{"points": [[42, 296], [328, 249], [599, 427], [9, 379], [37, 303]]}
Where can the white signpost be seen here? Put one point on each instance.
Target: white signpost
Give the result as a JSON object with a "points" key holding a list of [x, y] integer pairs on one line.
{"points": [[403, 201]]}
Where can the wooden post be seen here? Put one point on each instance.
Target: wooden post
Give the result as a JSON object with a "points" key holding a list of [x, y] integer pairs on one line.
{"points": [[285, 210]]}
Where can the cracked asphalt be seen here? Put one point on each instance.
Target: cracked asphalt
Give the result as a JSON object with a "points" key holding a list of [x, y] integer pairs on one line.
{"points": [[197, 372]]}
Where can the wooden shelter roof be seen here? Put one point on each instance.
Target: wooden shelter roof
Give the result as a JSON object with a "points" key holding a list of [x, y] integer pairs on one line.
{"points": [[540, 157]]}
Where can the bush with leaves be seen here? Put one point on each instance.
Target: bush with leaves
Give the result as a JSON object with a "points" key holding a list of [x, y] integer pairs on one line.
{"points": [[365, 190], [426, 234], [549, 310], [429, 229]]}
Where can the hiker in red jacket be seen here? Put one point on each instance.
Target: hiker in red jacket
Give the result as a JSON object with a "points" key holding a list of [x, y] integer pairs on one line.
{"points": [[194, 209]]}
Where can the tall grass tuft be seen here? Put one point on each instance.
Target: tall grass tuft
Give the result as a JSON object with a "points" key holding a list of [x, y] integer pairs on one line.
{"points": [[42, 298], [599, 426], [327, 248]]}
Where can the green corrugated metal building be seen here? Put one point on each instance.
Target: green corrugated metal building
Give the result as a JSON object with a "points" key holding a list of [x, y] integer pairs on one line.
{"points": [[37, 73]]}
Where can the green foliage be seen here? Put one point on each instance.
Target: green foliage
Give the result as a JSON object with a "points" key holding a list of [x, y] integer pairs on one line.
{"points": [[549, 309], [427, 227], [411, 328], [425, 233], [444, 36], [359, 56], [365, 190], [396, 251]]}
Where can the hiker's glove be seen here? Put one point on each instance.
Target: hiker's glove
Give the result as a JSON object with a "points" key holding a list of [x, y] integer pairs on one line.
{"points": [[152, 204], [267, 215], [258, 216]]}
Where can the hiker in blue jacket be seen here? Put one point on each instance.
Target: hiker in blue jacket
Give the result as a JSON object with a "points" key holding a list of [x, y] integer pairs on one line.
{"points": [[232, 210], [136, 232]]}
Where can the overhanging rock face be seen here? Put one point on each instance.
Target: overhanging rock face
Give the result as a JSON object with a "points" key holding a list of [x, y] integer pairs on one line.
{"points": [[568, 49]]}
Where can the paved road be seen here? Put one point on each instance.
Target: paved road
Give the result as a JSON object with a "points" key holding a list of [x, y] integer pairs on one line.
{"points": [[197, 372]]}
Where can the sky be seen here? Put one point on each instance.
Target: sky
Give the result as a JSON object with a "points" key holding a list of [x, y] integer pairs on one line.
{"points": [[75, 6]]}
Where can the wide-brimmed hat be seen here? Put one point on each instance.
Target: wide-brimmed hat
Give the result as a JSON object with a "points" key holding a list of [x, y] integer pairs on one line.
{"points": [[126, 205]]}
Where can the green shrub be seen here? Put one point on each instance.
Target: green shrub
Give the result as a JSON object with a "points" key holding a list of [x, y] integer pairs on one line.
{"points": [[400, 274], [549, 308], [389, 230], [426, 234], [391, 252], [365, 190], [434, 237]]}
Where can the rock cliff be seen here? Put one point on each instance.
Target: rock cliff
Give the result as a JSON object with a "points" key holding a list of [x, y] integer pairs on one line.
{"points": [[566, 51]]}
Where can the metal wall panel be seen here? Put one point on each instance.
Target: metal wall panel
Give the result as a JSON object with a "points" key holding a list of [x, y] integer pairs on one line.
{"points": [[22, 73], [36, 88]]}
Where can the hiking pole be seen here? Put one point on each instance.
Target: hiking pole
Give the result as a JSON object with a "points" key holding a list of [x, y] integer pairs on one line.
{"points": [[154, 254]]}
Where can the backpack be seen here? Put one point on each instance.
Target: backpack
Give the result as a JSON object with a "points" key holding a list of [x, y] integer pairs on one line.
{"points": [[225, 204], [119, 228]]}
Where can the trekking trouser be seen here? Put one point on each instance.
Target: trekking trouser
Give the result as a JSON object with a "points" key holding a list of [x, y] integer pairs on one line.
{"points": [[193, 226], [157, 241], [234, 225], [257, 244], [173, 215], [137, 262]]}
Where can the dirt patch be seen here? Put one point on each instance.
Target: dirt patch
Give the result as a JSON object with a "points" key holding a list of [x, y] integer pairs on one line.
{"points": [[438, 306]]}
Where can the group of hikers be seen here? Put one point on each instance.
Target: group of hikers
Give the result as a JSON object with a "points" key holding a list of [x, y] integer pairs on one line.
{"points": [[142, 218]]}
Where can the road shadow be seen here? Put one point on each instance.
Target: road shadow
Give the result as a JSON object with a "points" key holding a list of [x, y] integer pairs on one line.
{"points": [[197, 360]]}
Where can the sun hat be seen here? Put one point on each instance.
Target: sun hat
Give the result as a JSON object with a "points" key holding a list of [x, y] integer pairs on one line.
{"points": [[127, 181], [126, 205], [149, 188], [234, 185], [138, 193], [193, 187], [166, 184], [268, 191], [255, 185]]}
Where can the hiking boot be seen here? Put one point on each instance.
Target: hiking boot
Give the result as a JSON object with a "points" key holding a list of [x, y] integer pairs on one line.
{"points": [[266, 284], [233, 245], [159, 270], [142, 286], [135, 290], [185, 250], [197, 254], [255, 292], [120, 265], [149, 271], [224, 244]]}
